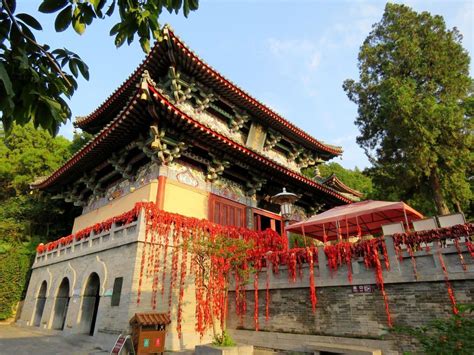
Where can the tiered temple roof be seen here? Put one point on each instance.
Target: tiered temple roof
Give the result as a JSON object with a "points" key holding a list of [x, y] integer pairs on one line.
{"points": [[160, 92], [171, 51]]}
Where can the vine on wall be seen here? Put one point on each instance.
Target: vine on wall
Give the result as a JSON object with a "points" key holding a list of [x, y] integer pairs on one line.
{"points": [[216, 255]]}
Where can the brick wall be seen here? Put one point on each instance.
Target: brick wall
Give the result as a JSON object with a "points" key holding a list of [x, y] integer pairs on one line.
{"points": [[342, 313]]}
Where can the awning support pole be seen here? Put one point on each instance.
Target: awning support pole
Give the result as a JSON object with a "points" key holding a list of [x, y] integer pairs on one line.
{"points": [[406, 218], [304, 235]]}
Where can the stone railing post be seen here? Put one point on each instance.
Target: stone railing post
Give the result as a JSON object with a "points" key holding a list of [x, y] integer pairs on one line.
{"points": [[141, 225], [113, 227], [323, 264], [435, 254], [392, 255]]}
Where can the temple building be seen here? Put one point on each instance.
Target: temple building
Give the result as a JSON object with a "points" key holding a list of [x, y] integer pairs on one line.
{"points": [[334, 182], [179, 134]]}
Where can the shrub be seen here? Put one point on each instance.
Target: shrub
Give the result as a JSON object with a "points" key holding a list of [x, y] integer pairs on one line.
{"points": [[223, 340], [445, 336]]}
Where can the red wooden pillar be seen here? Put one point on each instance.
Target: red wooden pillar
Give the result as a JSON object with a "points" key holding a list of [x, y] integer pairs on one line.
{"points": [[160, 193]]}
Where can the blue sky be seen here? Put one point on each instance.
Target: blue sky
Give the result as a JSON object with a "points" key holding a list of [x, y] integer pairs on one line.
{"points": [[292, 55]]}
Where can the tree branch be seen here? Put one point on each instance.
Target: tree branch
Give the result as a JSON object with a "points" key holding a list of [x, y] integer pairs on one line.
{"points": [[53, 61]]}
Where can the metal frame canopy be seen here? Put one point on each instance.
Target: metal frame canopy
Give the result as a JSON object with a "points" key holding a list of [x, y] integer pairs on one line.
{"points": [[366, 217]]}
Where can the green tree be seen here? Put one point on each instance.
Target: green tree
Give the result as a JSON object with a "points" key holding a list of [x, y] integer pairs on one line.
{"points": [[26, 217], [35, 80], [354, 178], [26, 154], [415, 129], [232, 254], [79, 140]]}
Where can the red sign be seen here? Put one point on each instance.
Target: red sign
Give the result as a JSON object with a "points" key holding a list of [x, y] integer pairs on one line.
{"points": [[118, 344], [122, 341]]}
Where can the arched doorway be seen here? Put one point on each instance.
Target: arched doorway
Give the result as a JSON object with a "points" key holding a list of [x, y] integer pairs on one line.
{"points": [[90, 304], [61, 305], [40, 301]]}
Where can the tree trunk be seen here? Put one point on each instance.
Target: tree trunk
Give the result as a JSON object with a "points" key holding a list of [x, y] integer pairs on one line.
{"points": [[213, 320], [458, 206], [439, 200]]}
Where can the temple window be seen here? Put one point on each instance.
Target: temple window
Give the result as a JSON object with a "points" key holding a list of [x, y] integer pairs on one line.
{"points": [[226, 212]]}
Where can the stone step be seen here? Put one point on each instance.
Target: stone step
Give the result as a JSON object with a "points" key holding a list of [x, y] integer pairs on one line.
{"points": [[317, 347]]}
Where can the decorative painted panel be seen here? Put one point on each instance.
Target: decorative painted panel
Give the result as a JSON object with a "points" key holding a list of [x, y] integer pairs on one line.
{"points": [[144, 175]]}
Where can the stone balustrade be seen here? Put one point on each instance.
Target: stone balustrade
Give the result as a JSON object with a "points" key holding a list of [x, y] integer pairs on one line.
{"points": [[428, 269], [116, 236]]}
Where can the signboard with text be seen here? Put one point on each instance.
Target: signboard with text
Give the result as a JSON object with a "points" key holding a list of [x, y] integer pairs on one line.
{"points": [[362, 289]]}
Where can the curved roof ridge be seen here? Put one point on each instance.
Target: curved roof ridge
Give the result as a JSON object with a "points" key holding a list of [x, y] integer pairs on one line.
{"points": [[37, 184], [168, 32], [335, 149], [334, 178], [81, 120], [169, 106], [163, 100]]}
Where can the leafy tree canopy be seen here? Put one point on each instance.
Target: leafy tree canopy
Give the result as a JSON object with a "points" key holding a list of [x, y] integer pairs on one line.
{"points": [[79, 139], [27, 218], [414, 98], [354, 178], [36, 80], [25, 154]]}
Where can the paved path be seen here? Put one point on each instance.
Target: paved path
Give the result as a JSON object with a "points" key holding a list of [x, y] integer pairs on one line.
{"points": [[16, 340]]}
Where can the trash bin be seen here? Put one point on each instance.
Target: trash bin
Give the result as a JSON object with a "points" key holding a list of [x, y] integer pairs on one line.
{"points": [[149, 332]]}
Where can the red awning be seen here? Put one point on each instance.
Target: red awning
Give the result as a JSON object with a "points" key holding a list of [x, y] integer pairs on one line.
{"points": [[358, 218]]}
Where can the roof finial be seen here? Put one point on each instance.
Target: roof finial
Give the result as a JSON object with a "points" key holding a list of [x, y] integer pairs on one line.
{"points": [[144, 91]]}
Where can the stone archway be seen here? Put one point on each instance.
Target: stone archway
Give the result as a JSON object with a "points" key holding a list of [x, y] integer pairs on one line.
{"points": [[90, 304], [61, 305], [40, 302]]}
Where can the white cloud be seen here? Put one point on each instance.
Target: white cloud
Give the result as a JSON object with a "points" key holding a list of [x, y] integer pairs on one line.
{"points": [[301, 50], [297, 59], [315, 61], [345, 139]]}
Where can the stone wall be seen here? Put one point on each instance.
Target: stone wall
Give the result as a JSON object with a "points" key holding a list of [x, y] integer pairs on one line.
{"points": [[341, 312], [117, 252], [108, 265]]}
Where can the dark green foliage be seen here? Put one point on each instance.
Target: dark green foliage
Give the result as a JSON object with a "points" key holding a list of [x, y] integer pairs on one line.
{"points": [[413, 99], [26, 217], [35, 79], [79, 140], [14, 266], [355, 179], [446, 336]]}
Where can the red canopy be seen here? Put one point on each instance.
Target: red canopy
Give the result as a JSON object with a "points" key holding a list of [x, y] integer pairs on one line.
{"points": [[358, 218]]}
